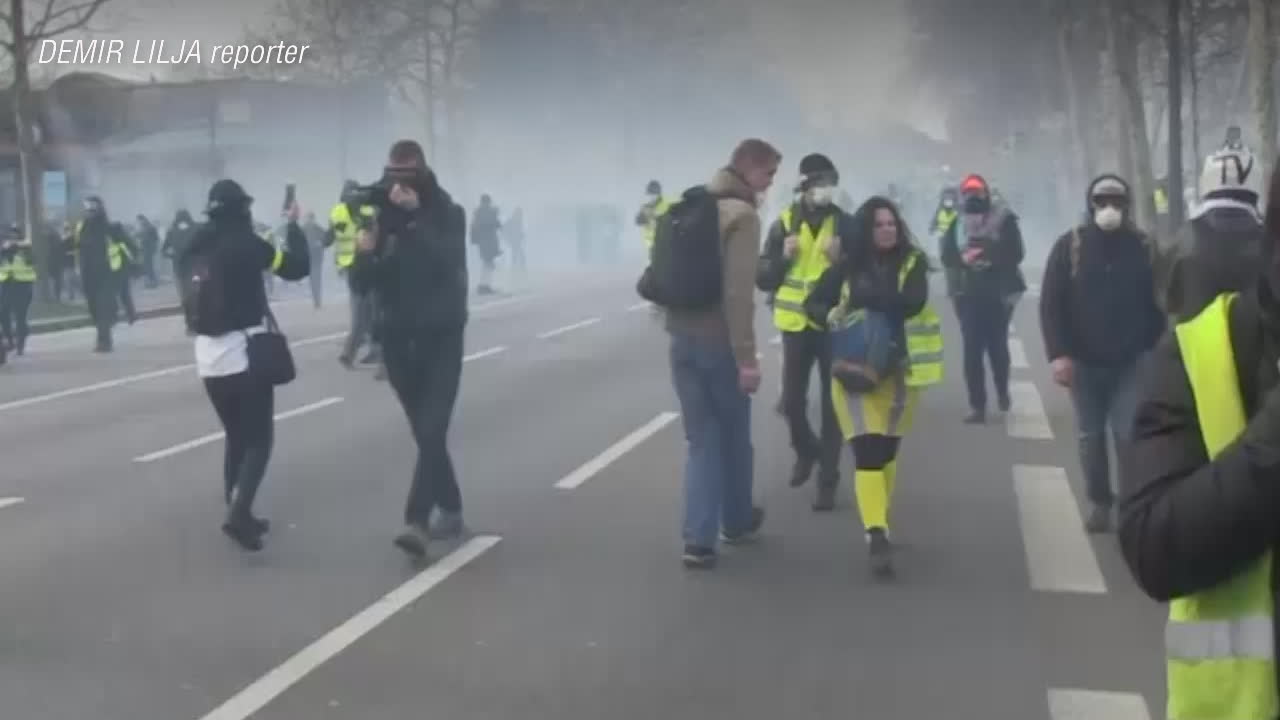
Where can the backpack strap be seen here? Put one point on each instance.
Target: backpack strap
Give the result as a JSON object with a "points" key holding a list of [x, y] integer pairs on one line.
{"points": [[1075, 251]]}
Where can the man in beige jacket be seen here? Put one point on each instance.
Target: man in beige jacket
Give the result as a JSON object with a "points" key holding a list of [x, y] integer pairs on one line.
{"points": [[715, 370]]}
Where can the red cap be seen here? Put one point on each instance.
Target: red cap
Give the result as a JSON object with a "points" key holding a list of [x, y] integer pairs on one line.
{"points": [[973, 182]]}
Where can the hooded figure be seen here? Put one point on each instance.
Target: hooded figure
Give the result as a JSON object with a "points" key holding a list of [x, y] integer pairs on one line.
{"points": [[981, 252], [176, 240], [485, 225], [1220, 249], [103, 253], [1099, 317]]}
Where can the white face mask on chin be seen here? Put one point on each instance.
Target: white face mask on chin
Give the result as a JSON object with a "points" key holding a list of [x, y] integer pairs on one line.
{"points": [[1108, 218], [822, 196]]}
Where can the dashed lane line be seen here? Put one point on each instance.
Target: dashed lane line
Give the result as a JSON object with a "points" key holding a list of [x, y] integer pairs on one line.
{"points": [[10, 502], [1065, 704], [214, 437], [270, 686], [1017, 354], [615, 451], [568, 328], [1060, 557], [1026, 418]]}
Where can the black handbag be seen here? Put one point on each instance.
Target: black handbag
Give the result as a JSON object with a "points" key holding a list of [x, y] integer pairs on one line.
{"points": [[269, 356]]}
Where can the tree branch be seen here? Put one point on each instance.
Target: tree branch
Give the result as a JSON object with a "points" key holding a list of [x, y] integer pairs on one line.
{"points": [[77, 16]]}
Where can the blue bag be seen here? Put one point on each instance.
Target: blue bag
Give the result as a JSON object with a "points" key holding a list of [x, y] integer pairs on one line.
{"points": [[864, 349]]}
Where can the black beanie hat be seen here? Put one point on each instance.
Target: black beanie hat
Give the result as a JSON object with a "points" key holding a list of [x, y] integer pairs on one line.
{"points": [[227, 195], [816, 165]]}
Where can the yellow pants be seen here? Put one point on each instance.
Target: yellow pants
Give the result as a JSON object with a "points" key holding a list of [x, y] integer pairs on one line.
{"points": [[887, 410]]}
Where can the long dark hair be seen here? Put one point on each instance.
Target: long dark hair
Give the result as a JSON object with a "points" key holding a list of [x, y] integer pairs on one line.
{"points": [[859, 248]]}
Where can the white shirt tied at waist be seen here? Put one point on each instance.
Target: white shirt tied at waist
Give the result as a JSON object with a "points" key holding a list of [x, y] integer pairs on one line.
{"points": [[222, 355]]}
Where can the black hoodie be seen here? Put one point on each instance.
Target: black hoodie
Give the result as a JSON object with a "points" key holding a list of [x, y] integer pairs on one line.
{"points": [[419, 267], [1097, 299], [1219, 251]]}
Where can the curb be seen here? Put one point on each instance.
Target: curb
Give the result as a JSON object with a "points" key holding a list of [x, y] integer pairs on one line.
{"points": [[79, 321]]}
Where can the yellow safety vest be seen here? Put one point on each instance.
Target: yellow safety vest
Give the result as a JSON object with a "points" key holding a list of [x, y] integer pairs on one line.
{"points": [[650, 228], [1219, 643], [17, 268], [924, 335], [810, 262], [344, 240], [117, 252], [944, 219], [1162, 202]]}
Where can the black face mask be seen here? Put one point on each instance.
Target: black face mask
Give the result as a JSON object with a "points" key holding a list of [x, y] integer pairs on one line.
{"points": [[976, 204]]}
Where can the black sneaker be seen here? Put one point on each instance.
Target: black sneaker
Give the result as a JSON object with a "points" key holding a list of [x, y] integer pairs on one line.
{"points": [[879, 551], [698, 558], [748, 535], [243, 532], [802, 470]]}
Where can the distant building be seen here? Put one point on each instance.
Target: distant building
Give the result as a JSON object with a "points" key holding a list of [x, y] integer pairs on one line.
{"points": [[154, 147]]}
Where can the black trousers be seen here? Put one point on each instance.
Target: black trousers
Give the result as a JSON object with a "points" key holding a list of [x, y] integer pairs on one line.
{"points": [[101, 294], [425, 370], [800, 352], [124, 285], [15, 304], [984, 323], [245, 406]]}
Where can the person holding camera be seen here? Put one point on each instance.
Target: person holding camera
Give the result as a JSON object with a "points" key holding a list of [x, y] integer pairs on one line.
{"points": [[225, 304], [415, 263]]}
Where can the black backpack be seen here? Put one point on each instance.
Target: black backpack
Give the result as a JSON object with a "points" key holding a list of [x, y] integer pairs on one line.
{"points": [[684, 270], [202, 287]]}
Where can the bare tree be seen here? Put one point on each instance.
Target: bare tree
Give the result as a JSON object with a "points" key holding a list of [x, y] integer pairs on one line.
{"points": [[1264, 22], [1173, 175], [1123, 41], [27, 29]]}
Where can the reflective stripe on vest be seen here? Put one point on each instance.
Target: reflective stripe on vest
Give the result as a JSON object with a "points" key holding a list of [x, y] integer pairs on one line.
{"points": [[924, 335], [809, 264], [17, 268], [344, 240], [1220, 642], [650, 229]]}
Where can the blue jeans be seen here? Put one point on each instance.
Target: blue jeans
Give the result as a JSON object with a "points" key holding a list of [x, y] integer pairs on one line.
{"points": [[717, 424], [1104, 396]]}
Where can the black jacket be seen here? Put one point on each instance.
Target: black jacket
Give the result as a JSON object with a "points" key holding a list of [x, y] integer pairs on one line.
{"points": [[1187, 524], [874, 286], [1004, 252], [1220, 251], [1100, 308], [239, 256], [773, 267], [419, 267]]}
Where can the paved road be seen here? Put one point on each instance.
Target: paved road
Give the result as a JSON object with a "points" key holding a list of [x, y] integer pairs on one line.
{"points": [[122, 600]]}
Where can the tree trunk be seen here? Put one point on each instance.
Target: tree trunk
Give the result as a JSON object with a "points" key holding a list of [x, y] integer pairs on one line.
{"points": [[1193, 78], [1125, 44], [24, 117], [429, 95], [1075, 117], [1115, 112], [1261, 61], [1174, 175]]}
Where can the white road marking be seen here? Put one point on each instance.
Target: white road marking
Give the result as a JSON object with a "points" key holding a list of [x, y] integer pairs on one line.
{"points": [[485, 353], [640, 306], [1096, 705], [615, 451], [1060, 557], [10, 502], [214, 437], [1026, 418], [568, 328], [270, 686], [1017, 354], [164, 372]]}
